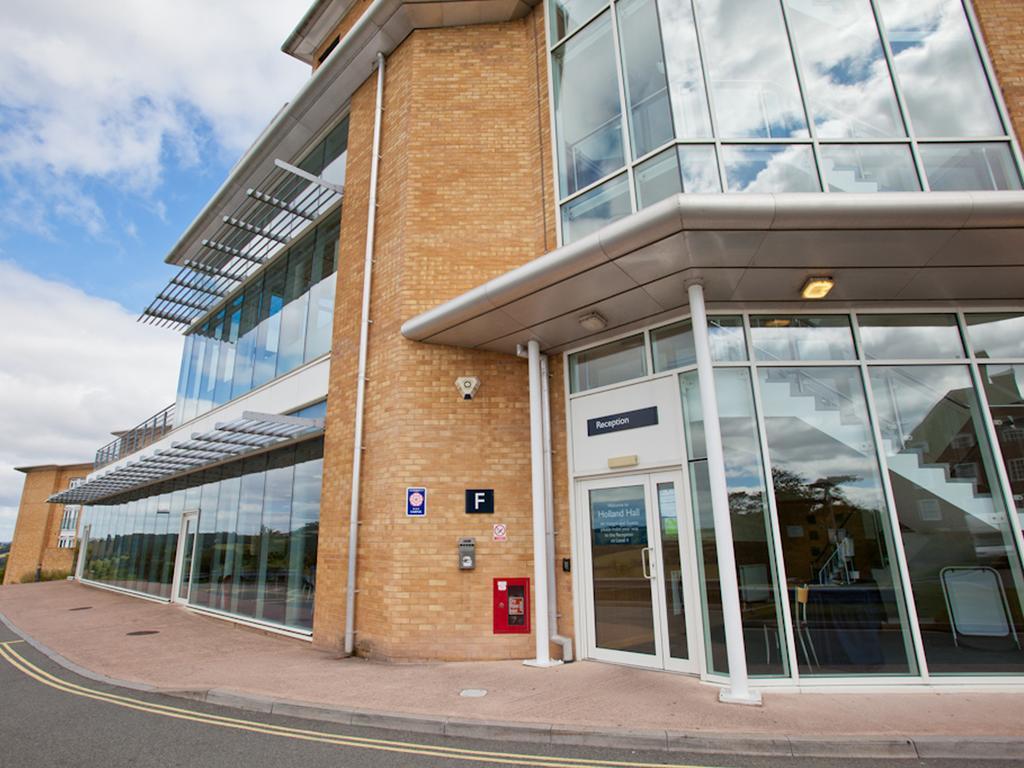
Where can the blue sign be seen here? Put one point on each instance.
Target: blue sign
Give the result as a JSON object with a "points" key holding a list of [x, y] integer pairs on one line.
{"points": [[415, 502]]}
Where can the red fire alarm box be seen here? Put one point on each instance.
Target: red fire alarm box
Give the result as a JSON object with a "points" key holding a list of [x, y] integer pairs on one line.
{"points": [[511, 606]]}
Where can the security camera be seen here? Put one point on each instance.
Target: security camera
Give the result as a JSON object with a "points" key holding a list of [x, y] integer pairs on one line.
{"points": [[467, 386]]}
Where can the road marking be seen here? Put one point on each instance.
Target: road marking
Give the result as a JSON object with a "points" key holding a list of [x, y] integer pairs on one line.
{"points": [[423, 750], [11, 642]]}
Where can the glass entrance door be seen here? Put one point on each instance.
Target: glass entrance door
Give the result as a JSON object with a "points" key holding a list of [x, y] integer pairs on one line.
{"points": [[640, 571], [183, 558]]}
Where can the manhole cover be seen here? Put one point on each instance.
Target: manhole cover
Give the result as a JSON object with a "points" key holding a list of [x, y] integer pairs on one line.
{"points": [[143, 632], [82, 608], [473, 693]]}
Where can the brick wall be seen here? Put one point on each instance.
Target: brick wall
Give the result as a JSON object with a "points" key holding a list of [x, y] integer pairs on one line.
{"points": [[464, 195], [38, 527], [1002, 25]]}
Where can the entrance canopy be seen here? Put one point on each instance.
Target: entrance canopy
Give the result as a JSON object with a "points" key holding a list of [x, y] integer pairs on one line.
{"points": [[882, 249], [252, 433]]}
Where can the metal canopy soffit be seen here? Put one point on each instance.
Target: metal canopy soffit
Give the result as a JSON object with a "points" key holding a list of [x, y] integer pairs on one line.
{"points": [[747, 249]]}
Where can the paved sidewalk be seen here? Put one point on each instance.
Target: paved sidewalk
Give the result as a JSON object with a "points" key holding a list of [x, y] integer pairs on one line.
{"points": [[583, 702]]}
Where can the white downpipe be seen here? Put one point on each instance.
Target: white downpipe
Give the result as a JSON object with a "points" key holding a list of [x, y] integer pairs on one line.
{"points": [[738, 691], [538, 492], [364, 337], [549, 516]]}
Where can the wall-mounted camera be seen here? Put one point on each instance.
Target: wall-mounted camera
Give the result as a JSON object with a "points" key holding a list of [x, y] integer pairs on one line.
{"points": [[467, 386]]}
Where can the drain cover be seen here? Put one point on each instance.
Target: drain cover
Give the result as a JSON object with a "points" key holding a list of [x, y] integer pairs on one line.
{"points": [[143, 632], [82, 608], [473, 693]]}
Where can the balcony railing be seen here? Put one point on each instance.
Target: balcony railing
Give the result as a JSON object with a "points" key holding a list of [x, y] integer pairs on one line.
{"points": [[136, 438]]}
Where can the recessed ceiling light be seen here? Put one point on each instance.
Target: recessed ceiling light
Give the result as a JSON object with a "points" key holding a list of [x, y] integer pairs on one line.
{"points": [[592, 321], [817, 287]]}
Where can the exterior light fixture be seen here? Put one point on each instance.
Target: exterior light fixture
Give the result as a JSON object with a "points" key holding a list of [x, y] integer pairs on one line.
{"points": [[817, 287], [592, 321]]}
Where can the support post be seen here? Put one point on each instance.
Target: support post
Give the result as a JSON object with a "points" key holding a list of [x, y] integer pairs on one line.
{"points": [[738, 691], [538, 491]]}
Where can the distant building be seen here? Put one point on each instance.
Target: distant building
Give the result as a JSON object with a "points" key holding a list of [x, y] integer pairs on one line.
{"points": [[46, 534]]}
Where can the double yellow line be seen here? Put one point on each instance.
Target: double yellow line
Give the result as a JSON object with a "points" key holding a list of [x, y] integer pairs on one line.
{"points": [[20, 663]]}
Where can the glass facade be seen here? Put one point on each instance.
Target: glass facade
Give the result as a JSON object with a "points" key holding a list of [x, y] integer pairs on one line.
{"points": [[251, 552], [278, 321], [657, 97], [875, 474]]}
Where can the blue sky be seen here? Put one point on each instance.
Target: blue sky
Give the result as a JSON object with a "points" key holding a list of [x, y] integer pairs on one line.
{"points": [[118, 121]]}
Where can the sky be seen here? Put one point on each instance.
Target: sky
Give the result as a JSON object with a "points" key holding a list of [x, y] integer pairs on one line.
{"points": [[118, 121]]}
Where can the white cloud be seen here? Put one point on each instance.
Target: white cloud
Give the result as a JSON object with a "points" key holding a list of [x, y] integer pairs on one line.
{"points": [[119, 89], [74, 367]]}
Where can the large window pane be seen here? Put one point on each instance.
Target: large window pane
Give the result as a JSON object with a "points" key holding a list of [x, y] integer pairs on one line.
{"points": [[760, 601], [753, 84], [182, 391], [598, 207], [939, 69], [802, 337], [1004, 387], [229, 343], [588, 115], [686, 168], [896, 337], [268, 332], [643, 67], [321, 296], [844, 587], [869, 168], [567, 15], [304, 533], [247, 590], [685, 75], [770, 168], [996, 335], [204, 565], [608, 364], [673, 345], [846, 77], [298, 280], [277, 504], [952, 167], [245, 352], [965, 569]]}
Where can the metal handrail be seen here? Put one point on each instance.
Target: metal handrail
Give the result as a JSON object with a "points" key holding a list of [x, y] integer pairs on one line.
{"points": [[136, 438]]}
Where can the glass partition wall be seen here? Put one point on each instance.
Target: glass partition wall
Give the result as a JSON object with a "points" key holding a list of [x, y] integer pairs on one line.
{"points": [[875, 471], [657, 97], [255, 548]]}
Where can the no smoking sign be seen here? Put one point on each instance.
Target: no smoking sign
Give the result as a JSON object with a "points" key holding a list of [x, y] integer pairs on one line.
{"points": [[500, 532]]}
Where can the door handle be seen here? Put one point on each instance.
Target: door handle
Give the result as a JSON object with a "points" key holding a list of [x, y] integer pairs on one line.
{"points": [[645, 561]]}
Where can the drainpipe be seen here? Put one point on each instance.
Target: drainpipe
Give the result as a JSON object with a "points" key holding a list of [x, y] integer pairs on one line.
{"points": [[538, 492], [364, 335], [549, 503], [738, 691]]}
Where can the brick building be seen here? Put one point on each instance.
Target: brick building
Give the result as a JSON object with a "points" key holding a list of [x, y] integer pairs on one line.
{"points": [[45, 535], [714, 305]]}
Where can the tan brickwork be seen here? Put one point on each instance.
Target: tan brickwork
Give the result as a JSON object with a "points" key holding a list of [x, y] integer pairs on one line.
{"points": [[1002, 25], [464, 195], [38, 527]]}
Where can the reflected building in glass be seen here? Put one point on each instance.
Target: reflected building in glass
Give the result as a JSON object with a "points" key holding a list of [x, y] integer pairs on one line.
{"points": [[573, 268]]}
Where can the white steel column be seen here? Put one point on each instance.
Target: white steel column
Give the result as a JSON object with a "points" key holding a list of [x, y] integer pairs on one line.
{"points": [[538, 492], [738, 691]]}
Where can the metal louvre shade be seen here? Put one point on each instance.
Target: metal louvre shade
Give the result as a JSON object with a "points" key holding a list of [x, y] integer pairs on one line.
{"points": [[286, 203], [251, 433]]}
